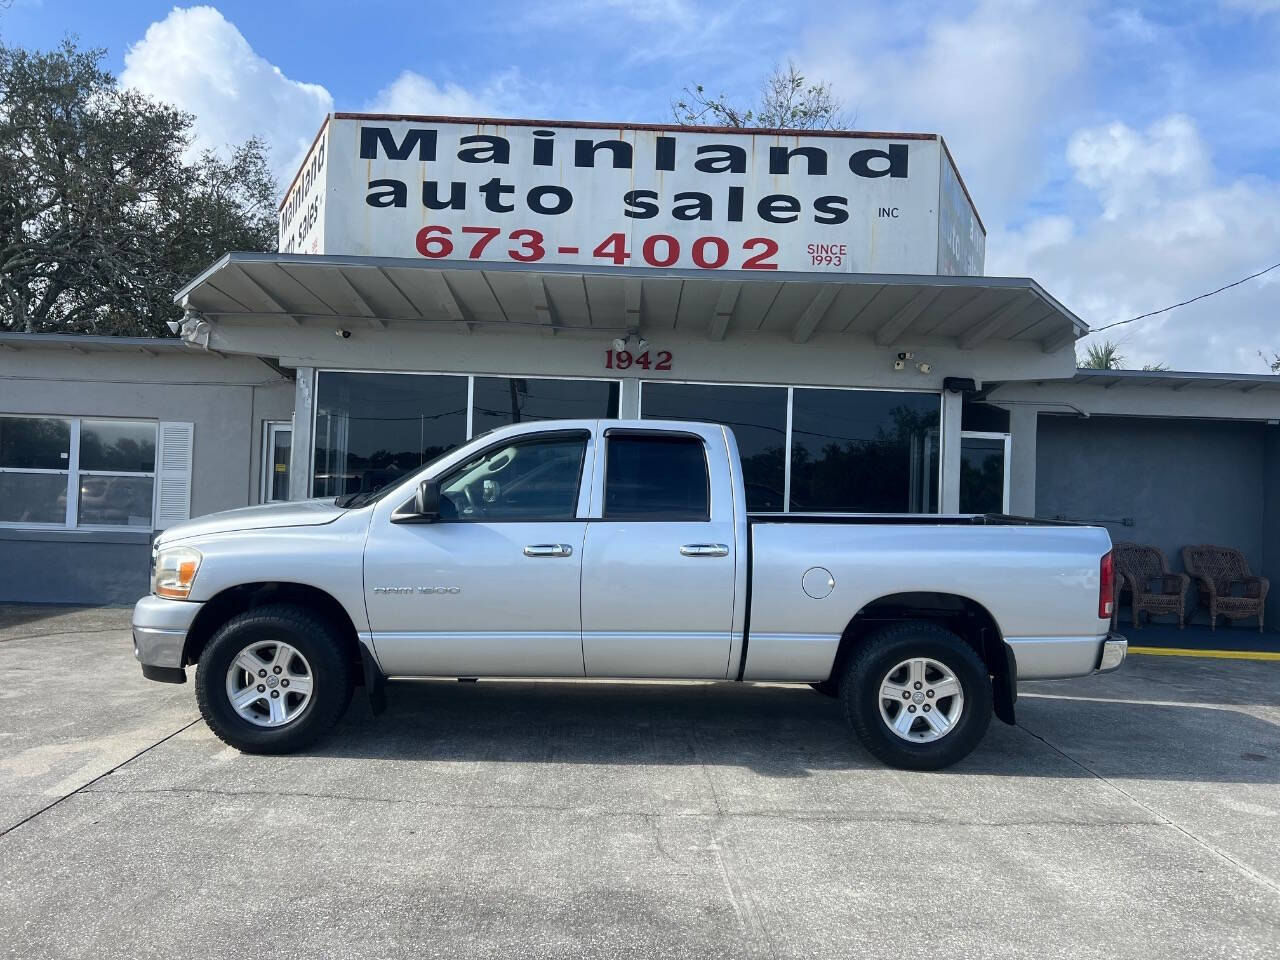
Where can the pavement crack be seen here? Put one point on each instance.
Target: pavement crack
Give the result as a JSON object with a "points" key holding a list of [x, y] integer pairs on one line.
{"points": [[85, 786], [715, 815], [1160, 817]]}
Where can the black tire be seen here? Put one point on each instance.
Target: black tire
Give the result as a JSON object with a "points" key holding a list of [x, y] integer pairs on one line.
{"points": [[829, 687], [879, 654], [315, 638]]}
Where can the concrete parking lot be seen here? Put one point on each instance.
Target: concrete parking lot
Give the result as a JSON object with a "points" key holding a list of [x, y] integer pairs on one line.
{"points": [[1130, 815]]}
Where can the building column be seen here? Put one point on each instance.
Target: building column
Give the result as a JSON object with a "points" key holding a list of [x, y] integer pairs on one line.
{"points": [[1023, 420], [949, 492], [629, 399], [300, 448]]}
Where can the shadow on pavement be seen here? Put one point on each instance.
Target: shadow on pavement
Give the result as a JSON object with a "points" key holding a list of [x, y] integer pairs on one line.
{"points": [[787, 732], [18, 614]]}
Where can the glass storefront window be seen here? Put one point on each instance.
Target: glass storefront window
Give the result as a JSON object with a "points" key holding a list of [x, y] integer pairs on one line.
{"points": [[372, 428], [499, 401], [864, 451], [757, 415]]}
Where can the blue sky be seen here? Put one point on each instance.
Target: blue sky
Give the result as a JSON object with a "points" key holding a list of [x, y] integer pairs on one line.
{"points": [[1126, 156]]}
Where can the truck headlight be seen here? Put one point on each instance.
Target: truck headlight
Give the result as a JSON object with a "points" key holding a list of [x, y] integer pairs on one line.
{"points": [[175, 572]]}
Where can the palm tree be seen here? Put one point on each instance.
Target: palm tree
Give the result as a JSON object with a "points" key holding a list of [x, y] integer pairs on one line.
{"points": [[1104, 356]]}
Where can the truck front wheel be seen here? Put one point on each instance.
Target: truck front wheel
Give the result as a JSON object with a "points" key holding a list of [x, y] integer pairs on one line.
{"points": [[273, 679], [917, 696]]}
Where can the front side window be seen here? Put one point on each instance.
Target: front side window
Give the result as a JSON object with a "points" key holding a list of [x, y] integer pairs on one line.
{"points": [[532, 479], [656, 477], [77, 472]]}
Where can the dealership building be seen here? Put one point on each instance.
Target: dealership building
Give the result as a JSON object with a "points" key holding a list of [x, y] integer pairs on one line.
{"points": [[823, 294]]}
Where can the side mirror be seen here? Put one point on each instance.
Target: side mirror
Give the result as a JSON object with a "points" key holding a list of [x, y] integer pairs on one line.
{"points": [[426, 503]]}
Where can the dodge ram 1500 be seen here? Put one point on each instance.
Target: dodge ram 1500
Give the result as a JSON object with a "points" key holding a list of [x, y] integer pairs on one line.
{"points": [[611, 548]]}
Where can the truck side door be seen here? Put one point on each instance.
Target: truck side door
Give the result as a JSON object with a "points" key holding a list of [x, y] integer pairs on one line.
{"points": [[659, 561], [492, 588]]}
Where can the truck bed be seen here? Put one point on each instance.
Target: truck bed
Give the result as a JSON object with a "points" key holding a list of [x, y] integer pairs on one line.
{"points": [[916, 519]]}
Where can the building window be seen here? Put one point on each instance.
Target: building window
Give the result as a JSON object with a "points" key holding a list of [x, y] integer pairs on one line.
{"points": [[864, 451], [758, 417], [373, 428], [499, 401], [77, 472], [277, 448], [984, 472]]}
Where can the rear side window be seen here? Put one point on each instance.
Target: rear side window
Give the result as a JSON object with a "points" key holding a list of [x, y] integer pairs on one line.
{"points": [[656, 478]]}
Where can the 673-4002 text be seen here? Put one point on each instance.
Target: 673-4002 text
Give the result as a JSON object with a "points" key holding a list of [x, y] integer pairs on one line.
{"points": [[438, 242]]}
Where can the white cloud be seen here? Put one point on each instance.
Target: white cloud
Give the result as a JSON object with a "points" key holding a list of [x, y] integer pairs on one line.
{"points": [[1164, 228], [198, 61], [993, 82], [412, 93], [1132, 171]]}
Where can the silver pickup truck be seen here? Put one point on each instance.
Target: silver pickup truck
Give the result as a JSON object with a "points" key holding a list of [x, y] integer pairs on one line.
{"points": [[607, 548]]}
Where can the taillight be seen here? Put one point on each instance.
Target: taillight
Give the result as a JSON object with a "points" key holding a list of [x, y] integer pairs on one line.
{"points": [[1106, 586]]}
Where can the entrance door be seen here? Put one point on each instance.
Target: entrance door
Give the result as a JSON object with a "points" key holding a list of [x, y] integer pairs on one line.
{"points": [[658, 570], [492, 587], [277, 443], [984, 472]]}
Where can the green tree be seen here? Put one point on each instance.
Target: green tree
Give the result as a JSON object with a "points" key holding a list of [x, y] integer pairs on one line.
{"points": [[1103, 356], [101, 217], [788, 100]]}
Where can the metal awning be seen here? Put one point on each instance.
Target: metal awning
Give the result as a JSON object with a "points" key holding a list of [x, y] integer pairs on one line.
{"points": [[1178, 380], [378, 291]]}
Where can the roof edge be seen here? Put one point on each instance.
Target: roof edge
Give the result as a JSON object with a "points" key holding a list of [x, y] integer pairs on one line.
{"points": [[624, 125], [90, 340]]}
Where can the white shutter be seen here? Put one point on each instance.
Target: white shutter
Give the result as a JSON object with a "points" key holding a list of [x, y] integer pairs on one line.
{"points": [[173, 473]]}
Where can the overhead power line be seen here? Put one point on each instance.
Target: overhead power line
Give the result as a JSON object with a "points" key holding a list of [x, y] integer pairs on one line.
{"points": [[1174, 306]]}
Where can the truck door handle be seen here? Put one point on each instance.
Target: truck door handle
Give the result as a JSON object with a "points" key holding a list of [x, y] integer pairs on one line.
{"points": [[548, 550], [705, 550]]}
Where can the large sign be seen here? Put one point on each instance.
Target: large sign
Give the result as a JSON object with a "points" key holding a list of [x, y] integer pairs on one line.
{"points": [[655, 197]]}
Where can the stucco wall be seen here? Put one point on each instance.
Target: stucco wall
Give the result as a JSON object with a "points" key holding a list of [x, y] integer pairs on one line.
{"points": [[1181, 481], [227, 398]]}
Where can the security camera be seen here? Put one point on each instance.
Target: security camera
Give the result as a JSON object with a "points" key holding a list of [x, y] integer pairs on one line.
{"points": [[642, 344], [899, 365], [619, 344], [342, 334], [906, 356], [174, 326], [924, 367]]}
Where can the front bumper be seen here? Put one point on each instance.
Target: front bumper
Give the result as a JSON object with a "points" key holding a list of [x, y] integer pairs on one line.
{"points": [[1114, 650], [160, 629]]}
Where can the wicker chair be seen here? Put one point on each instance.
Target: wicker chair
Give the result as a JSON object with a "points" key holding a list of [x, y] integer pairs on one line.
{"points": [[1144, 571], [1222, 574]]}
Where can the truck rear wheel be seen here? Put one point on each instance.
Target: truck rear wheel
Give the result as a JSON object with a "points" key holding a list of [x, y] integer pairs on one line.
{"points": [[917, 696], [273, 679]]}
